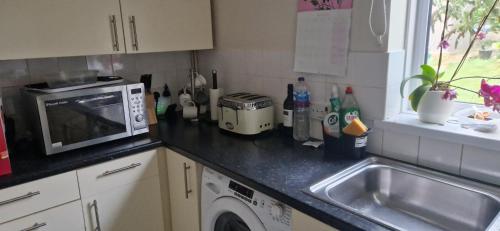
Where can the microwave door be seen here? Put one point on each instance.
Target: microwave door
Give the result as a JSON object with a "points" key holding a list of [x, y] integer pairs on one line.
{"points": [[78, 121]]}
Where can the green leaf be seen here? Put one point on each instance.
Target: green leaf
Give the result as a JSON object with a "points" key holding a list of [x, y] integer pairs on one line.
{"points": [[417, 94], [440, 75], [425, 81], [428, 72]]}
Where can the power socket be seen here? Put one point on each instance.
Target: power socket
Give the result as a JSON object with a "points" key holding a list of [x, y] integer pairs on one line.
{"points": [[317, 111]]}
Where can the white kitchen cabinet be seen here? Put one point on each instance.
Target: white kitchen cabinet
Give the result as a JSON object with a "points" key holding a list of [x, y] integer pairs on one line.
{"points": [[54, 28], [123, 194], [62, 218], [130, 207], [184, 177], [167, 25], [302, 222], [35, 196]]}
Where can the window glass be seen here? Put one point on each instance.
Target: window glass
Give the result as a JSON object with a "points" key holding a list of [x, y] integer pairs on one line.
{"points": [[484, 58]]}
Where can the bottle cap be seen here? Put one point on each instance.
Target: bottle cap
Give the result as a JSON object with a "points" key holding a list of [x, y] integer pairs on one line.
{"points": [[301, 79], [335, 91], [348, 90]]}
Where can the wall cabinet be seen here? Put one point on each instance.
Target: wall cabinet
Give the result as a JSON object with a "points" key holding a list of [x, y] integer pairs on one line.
{"points": [[52, 28], [123, 195], [184, 182], [301, 222], [55, 28], [167, 25]]}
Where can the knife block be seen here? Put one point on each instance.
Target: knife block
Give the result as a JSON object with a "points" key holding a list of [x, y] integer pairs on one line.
{"points": [[151, 108]]}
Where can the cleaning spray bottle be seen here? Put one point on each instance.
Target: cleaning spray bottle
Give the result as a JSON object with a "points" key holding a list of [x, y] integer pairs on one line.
{"points": [[331, 122], [349, 109]]}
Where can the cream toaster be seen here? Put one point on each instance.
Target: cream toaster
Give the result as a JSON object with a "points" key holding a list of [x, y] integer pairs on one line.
{"points": [[245, 113]]}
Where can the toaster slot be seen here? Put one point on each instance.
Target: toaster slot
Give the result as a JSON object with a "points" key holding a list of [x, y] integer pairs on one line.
{"points": [[254, 97], [236, 95]]}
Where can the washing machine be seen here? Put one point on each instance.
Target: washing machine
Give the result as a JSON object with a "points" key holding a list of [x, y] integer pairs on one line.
{"points": [[229, 205]]}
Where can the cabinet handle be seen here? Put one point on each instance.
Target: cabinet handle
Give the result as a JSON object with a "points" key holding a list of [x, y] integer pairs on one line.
{"points": [[133, 31], [26, 196], [187, 190], [111, 172], [35, 226], [114, 33], [96, 212]]}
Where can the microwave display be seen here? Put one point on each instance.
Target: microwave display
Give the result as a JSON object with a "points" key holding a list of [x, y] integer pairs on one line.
{"points": [[136, 91], [78, 119]]}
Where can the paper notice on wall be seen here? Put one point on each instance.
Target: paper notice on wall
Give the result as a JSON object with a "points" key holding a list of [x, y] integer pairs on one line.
{"points": [[312, 5], [322, 41]]}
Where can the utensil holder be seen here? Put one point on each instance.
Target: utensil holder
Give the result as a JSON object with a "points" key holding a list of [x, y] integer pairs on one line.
{"points": [[346, 146]]}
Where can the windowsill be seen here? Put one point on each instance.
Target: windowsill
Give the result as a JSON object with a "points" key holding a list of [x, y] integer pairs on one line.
{"points": [[409, 124]]}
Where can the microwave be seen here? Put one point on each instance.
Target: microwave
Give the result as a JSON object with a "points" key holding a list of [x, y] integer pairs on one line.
{"points": [[64, 121]]}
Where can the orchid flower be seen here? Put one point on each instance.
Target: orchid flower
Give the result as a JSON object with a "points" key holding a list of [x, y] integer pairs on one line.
{"points": [[444, 44], [491, 95], [450, 94], [481, 35]]}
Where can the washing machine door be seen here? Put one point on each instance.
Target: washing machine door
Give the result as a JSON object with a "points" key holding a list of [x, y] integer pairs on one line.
{"points": [[231, 214]]}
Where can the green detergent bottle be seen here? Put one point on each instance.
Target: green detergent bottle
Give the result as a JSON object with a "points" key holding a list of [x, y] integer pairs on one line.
{"points": [[331, 122], [349, 110]]}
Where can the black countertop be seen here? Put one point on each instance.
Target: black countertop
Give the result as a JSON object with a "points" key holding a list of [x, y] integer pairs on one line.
{"points": [[268, 163], [28, 163]]}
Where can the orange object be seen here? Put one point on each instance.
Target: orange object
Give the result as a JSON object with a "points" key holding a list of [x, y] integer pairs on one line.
{"points": [[355, 128]]}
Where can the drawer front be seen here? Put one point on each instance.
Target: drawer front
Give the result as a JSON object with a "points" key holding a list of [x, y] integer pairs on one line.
{"points": [[38, 195], [66, 217], [106, 176]]}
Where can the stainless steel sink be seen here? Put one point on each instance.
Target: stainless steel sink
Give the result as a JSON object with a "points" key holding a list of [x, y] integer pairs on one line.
{"points": [[406, 197]]}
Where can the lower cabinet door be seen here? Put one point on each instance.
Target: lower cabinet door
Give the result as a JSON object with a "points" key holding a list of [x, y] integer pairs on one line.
{"points": [[303, 222], [66, 217], [184, 190], [131, 207]]}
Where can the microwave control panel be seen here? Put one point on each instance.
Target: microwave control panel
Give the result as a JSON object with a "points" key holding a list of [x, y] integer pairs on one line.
{"points": [[137, 106]]}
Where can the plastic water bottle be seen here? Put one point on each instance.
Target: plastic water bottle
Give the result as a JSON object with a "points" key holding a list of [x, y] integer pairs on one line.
{"points": [[301, 111]]}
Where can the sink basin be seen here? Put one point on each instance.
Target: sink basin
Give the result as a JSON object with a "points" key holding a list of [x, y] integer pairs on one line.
{"points": [[406, 197]]}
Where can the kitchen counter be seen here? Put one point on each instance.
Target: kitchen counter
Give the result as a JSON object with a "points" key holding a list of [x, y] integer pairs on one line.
{"points": [[268, 163], [29, 163]]}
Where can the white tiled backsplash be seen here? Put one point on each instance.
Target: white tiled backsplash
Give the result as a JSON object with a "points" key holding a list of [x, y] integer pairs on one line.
{"points": [[459, 159], [268, 72], [171, 68]]}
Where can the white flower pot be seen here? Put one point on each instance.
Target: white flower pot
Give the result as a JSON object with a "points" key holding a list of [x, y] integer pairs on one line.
{"points": [[432, 108]]}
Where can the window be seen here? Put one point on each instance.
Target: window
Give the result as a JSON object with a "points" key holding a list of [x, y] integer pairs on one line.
{"points": [[464, 17]]}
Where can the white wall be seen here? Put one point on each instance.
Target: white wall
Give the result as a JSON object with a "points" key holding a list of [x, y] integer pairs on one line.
{"points": [[254, 51]]}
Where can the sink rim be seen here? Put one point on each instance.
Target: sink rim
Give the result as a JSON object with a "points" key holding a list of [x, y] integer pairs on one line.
{"points": [[319, 189]]}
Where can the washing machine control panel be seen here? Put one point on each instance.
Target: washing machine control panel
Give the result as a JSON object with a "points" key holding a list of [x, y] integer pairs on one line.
{"points": [[272, 212]]}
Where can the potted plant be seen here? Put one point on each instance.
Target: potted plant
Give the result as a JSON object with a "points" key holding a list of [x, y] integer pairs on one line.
{"points": [[433, 98]]}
